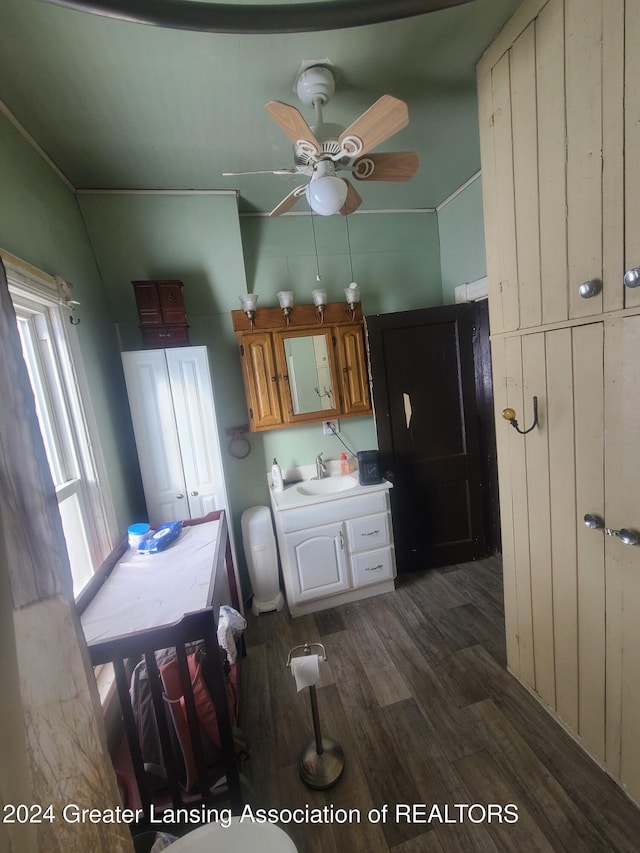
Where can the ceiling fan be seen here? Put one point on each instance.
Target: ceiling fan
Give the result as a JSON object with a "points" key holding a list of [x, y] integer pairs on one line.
{"points": [[325, 149]]}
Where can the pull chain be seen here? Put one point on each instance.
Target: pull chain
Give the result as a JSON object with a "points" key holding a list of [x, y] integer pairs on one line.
{"points": [[315, 244], [346, 219]]}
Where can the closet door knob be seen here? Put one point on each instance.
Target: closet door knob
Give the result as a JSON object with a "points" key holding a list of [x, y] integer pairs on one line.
{"points": [[628, 537], [632, 277], [593, 521], [590, 288]]}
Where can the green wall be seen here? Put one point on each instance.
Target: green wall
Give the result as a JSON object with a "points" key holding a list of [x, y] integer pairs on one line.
{"points": [[201, 240], [396, 261], [462, 248], [40, 223], [103, 241]]}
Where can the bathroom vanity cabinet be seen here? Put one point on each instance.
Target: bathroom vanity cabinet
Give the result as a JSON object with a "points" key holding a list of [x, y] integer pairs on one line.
{"points": [[335, 547]]}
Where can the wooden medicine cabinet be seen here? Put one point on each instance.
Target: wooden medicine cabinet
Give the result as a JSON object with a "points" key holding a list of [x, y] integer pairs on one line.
{"points": [[304, 372]]}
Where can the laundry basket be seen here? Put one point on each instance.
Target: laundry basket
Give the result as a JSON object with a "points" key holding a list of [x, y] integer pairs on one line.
{"points": [[261, 555]]}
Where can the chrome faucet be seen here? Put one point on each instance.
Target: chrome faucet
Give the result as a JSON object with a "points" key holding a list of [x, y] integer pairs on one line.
{"points": [[321, 468]]}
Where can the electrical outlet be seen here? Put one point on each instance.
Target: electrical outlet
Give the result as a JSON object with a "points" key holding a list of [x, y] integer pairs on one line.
{"points": [[327, 427]]}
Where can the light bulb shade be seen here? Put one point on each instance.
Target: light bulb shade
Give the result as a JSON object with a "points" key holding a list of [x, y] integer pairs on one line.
{"points": [[352, 293], [326, 195], [285, 298], [249, 302], [319, 296]]}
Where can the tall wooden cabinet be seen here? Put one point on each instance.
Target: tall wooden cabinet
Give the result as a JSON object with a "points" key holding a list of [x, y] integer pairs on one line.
{"points": [[559, 108], [174, 421]]}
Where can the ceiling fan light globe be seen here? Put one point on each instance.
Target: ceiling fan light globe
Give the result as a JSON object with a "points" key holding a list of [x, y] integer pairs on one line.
{"points": [[326, 195]]}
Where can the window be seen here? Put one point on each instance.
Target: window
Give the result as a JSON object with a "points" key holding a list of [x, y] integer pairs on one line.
{"points": [[66, 422]]}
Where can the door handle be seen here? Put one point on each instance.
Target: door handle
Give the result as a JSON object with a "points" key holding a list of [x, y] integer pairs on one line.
{"points": [[628, 537], [632, 277]]}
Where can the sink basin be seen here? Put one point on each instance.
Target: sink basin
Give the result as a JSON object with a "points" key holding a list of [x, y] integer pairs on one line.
{"points": [[327, 486]]}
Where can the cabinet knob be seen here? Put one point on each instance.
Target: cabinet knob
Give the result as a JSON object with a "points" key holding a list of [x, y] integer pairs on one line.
{"points": [[179, 496], [194, 494], [590, 288], [628, 537], [632, 277]]}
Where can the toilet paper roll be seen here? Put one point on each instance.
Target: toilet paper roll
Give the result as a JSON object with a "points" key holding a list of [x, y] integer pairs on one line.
{"points": [[306, 670]]}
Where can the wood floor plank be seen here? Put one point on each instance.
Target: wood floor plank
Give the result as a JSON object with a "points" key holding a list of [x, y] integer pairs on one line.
{"points": [[386, 681], [485, 783], [461, 729], [551, 806], [603, 802]]}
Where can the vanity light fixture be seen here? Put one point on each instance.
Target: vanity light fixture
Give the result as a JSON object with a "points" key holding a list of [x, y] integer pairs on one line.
{"points": [[249, 302], [319, 295], [352, 295], [285, 298]]}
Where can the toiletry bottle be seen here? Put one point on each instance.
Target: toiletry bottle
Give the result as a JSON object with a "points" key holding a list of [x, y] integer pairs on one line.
{"points": [[276, 477], [344, 463]]}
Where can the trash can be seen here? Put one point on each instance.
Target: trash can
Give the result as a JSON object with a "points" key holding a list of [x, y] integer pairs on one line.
{"points": [[261, 555]]}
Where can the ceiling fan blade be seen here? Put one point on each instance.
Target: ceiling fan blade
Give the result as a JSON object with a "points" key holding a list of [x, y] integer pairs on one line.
{"points": [[291, 122], [384, 118], [262, 172], [288, 201], [353, 201], [398, 166]]}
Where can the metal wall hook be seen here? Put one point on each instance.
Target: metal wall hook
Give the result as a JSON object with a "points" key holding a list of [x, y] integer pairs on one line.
{"points": [[510, 415]]}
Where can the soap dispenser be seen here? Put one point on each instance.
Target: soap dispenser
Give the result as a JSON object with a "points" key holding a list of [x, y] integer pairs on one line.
{"points": [[276, 477]]}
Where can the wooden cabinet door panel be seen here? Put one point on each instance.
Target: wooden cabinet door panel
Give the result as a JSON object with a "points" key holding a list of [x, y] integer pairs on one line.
{"points": [[352, 367], [622, 510], [261, 380]]}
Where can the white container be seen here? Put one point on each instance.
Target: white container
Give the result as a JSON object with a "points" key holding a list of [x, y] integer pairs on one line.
{"points": [[262, 559], [137, 534], [277, 480]]}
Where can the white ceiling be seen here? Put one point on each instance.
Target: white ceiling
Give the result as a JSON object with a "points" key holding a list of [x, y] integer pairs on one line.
{"points": [[124, 105]]}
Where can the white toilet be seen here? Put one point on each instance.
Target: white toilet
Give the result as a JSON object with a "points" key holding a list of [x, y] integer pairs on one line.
{"points": [[245, 837]]}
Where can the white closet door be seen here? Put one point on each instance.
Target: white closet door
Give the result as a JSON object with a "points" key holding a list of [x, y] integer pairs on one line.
{"points": [[192, 392], [155, 429]]}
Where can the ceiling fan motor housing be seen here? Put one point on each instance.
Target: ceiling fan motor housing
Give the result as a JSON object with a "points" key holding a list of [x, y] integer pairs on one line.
{"points": [[316, 82]]}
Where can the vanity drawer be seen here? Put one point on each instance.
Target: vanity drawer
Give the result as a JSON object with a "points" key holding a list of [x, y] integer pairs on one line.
{"points": [[328, 511], [372, 566], [369, 532]]}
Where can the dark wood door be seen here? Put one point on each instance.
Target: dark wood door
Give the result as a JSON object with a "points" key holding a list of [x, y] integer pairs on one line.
{"points": [[427, 423]]}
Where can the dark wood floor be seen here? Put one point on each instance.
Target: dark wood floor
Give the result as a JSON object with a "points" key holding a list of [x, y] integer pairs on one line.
{"points": [[416, 691]]}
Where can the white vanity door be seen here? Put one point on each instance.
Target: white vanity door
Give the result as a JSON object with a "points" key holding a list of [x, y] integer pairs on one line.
{"points": [[192, 394], [154, 425], [317, 562]]}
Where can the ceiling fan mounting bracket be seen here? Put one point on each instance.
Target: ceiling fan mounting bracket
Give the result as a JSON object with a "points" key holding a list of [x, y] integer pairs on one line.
{"points": [[314, 84]]}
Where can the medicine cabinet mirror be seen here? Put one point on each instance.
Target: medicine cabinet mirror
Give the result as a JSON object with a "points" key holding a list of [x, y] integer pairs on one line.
{"points": [[306, 371]]}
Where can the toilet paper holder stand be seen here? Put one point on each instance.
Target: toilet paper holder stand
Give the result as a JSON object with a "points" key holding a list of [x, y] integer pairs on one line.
{"points": [[321, 761]]}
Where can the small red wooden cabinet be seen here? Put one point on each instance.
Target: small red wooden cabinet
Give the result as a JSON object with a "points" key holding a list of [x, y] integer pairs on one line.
{"points": [[161, 313]]}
